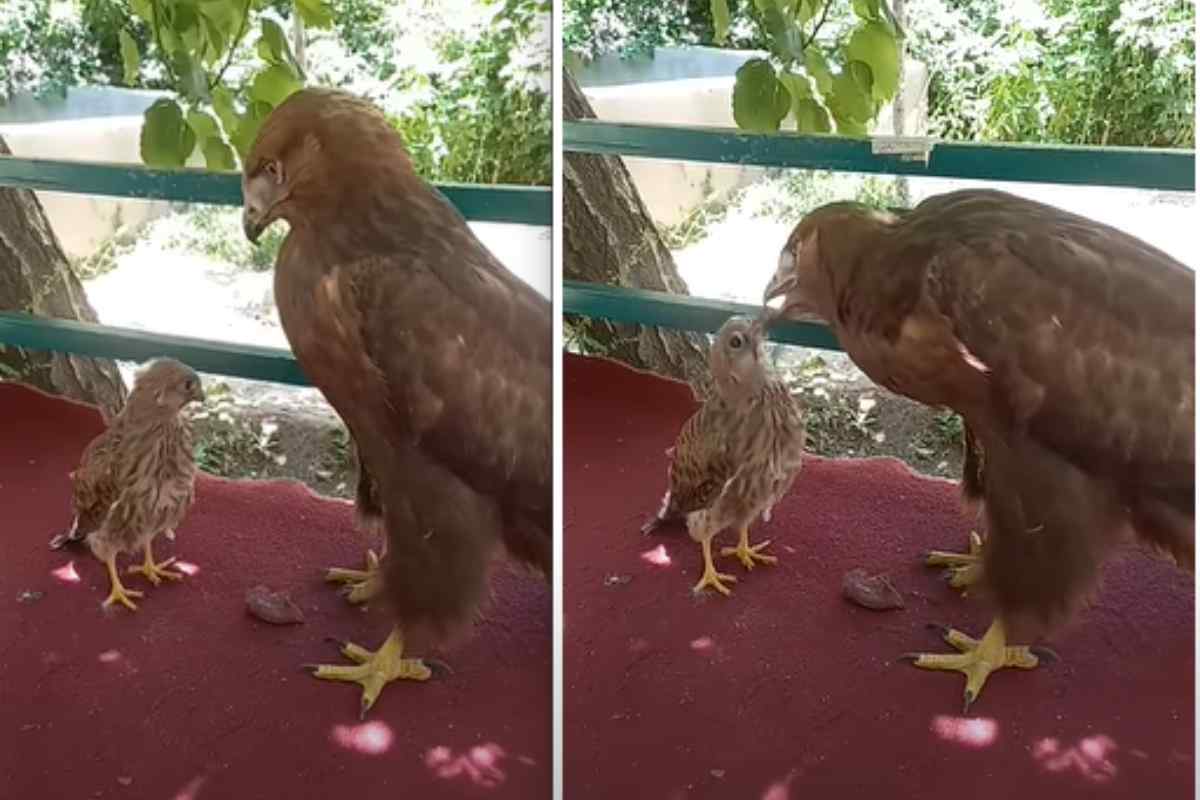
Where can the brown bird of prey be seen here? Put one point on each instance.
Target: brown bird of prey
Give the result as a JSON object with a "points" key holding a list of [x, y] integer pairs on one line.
{"points": [[436, 357], [135, 480], [738, 455], [1066, 346]]}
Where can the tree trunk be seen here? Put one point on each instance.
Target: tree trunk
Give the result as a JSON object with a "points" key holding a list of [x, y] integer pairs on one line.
{"points": [[609, 238], [36, 277]]}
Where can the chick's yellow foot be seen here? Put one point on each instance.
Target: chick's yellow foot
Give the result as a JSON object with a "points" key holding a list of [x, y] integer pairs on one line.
{"points": [[360, 585], [748, 554], [374, 670], [978, 658], [711, 577], [156, 572], [118, 593], [963, 569]]}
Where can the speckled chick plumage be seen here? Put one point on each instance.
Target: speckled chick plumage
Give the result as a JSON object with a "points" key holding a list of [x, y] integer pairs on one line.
{"points": [[136, 480], [740, 452]]}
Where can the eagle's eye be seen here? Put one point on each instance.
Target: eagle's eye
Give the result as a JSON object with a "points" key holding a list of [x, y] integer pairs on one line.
{"points": [[189, 384], [735, 341], [271, 169]]}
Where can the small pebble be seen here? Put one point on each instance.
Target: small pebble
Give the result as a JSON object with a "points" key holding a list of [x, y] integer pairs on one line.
{"points": [[276, 608]]}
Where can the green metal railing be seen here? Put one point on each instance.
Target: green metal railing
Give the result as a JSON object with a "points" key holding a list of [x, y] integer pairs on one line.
{"points": [[504, 204], [1144, 168]]}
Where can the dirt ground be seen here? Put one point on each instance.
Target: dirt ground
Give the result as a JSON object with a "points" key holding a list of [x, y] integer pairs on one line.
{"points": [[251, 430]]}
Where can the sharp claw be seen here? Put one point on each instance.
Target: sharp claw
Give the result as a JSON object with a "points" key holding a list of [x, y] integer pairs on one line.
{"points": [[937, 626], [1044, 653], [907, 657], [968, 698]]}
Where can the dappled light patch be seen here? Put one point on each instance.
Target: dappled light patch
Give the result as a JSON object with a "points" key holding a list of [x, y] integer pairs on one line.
{"points": [[186, 567], [702, 644], [973, 732], [110, 657], [370, 738], [657, 556], [66, 573], [192, 790], [1090, 757], [780, 789], [480, 765]]}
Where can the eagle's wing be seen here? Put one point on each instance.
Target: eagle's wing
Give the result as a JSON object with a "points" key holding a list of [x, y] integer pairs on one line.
{"points": [[1086, 335], [463, 353]]}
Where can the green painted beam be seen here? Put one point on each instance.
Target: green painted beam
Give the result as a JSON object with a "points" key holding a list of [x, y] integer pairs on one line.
{"points": [[1135, 167], [681, 312], [525, 205], [126, 344]]}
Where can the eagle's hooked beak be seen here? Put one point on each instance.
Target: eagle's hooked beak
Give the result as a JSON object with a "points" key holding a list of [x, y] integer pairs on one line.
{"points": [[784, 278], [252, 224]]}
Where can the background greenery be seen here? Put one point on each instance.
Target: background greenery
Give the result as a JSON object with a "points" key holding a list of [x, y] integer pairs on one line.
{"points": [[470, 91], [1096, 72]]}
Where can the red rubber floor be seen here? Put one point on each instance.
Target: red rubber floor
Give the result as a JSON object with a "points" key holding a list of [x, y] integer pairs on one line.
{"points": [[191, 699], [785, 690]]}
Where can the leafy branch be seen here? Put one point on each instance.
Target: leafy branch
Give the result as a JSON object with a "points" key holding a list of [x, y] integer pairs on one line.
{"points": [[197, 42], [818, 87]]}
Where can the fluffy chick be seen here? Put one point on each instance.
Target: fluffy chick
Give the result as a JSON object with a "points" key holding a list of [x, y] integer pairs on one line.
{"points": [[738, 455], [136, 480]]}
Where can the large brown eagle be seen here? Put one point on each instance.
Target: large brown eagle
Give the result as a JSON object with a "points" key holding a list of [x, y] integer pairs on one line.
{"points": [[437, 358], [1067, 347]]}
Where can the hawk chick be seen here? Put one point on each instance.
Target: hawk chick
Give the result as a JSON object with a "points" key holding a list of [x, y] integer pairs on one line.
{"points": [[135, 480], [738, 455]]}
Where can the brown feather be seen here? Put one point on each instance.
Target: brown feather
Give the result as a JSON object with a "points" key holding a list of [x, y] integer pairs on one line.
{"points": [[1066, 345], [436, 357], [136, 480]]}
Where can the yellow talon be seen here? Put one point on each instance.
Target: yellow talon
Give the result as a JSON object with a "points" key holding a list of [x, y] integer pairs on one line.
{"points": [[374, 670], [964, 569], [118, 593], [156, 572], [746, 554], [362, 584], [977, 658], [711, 577]]}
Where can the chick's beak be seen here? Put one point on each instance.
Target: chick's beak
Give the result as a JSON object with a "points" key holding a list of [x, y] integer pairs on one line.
{"points": [[251, 224]]}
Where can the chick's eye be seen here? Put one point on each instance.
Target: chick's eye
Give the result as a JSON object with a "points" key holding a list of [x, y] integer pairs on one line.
{"points": [[735, 341], [189, 384]]}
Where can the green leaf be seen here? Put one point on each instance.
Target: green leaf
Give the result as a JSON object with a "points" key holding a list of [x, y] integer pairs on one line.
{"points": [[876, 46], [222, 100], [786, 39], [849, 127], [193, 78], [314, 13], [219, 156], [811, 117], [143, 9], [805, 10], [847, 99], [244, 133], [273, 85], [166, 141], [130, 58], [720, 15], [203, 125], [863, 77], [760, 101], [816, 66], [274, 43], [867, 9]]}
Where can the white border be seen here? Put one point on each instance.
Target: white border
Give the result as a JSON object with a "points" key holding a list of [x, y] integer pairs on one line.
{"points": [[556, 585]]}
